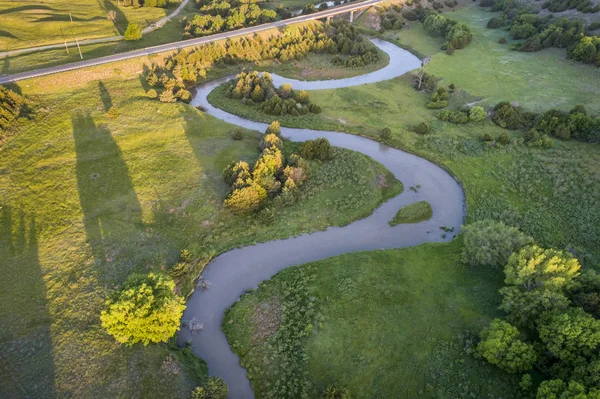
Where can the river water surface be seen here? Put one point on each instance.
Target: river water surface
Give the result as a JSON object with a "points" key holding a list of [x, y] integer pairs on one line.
{"points": [[235, 271]]}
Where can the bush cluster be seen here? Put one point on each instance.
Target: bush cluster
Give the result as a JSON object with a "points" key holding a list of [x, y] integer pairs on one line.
{"points": [[133, 32], [318, 149], [439, 99], [547, 326], [585, 6], [215, 388], [352, 49], [12, 106], [457, 35], [540, 33], [254, 88], [188, 67], [576, 124], [225, 15], [390, 21], [268, 178]]}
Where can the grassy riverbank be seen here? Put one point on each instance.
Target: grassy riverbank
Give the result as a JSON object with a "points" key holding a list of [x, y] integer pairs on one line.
{"points": [[389, 327], [89, 197]]}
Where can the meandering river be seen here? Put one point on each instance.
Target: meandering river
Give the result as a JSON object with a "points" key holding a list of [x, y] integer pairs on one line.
{"points": [[235, 271]]}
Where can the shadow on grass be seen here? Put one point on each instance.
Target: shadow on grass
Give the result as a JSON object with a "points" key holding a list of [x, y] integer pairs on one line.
{"points": [[105, 96], [112, 214], [25, 8], [120, 21], [26, 350]]}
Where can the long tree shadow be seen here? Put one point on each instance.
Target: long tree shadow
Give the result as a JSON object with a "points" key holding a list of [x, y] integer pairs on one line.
{"points": [[112, 214], [105, 96], [26, 349], [120, 21]]}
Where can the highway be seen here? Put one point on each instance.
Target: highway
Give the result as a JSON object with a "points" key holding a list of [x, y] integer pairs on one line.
{"points": [[187, 43]]}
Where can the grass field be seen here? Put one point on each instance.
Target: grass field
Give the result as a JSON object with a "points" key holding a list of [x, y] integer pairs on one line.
{"points": [[413, 213], [88, 199], [27, 25], [390, 325], [492, 72]]}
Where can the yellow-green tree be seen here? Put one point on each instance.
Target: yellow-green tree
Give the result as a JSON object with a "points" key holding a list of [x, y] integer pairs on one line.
{"points": [[145, 309]]}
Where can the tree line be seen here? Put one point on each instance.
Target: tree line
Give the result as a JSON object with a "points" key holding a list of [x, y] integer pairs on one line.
{"points": [[254, 88], [148, 3], [539, 33], [188, 67], [552, 310]]}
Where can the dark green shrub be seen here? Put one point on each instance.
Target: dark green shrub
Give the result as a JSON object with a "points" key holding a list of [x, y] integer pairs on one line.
{"points": [[237, 134], [504, 139], [502, 40], [215, 388], [386, 133], [410, 15], [422, 128], [490, 243]]}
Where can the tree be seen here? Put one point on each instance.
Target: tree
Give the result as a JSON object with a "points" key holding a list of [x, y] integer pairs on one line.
{"points": [[337, 393], [477, 114], [490, 243], [386, 133], [258, 94], [558, 389], [133, 32], [500, 345], [271, 140], [144, 310], [525, 307], [274, 128], [571, 334], [534, 268], [215, 388], [167, 96], [246, 199]]}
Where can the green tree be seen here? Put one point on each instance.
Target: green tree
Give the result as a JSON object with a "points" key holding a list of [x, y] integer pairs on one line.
{"points": [[337, 393], [477, 114], [144, 310], [500, 345], [258, 94], [215, 388], [571, 334], [525, 307], [490, 243], [133, 32], [534, 267], [558, 389], [246, 199]]}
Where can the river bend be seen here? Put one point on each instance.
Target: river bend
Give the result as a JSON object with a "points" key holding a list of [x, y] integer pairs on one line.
{"points": [[238, 270]]}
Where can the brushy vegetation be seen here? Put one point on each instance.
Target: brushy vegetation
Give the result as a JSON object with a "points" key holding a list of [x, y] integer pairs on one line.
{"points": [[413, 213], [381, 324], [189, 67], [548, 329], [254, 88], [101, 198], [216, 16], [540, 33], [12, 106], [457, 35]]}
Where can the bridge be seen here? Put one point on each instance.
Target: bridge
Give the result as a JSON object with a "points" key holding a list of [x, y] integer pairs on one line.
{"points": [[326, 14]]}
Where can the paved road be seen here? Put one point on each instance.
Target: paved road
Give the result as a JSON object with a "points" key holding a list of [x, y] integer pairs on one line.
{"points": [[146, 30], [186, 43], [235, 271]]}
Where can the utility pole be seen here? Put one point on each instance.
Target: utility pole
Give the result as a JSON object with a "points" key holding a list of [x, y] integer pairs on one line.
{"points": [[65, 39], [76, 41]]}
